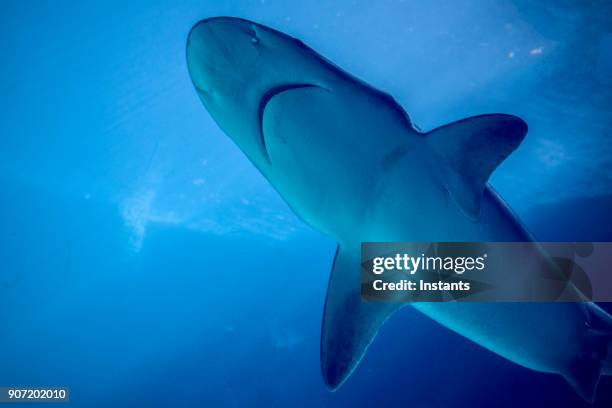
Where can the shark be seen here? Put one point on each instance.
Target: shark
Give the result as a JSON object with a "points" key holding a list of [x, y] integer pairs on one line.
{"points": [[349, 161]]}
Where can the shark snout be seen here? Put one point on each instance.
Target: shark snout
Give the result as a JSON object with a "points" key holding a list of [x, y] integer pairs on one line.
{"points": [[218, 51], [202, 55]]}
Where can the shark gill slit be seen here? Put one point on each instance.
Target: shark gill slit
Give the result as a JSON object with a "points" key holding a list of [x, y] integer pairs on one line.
{"points": [[266, 97]]}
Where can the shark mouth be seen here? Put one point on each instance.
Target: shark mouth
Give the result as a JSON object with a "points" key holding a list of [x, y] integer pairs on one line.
{"points": [[265, 98]]}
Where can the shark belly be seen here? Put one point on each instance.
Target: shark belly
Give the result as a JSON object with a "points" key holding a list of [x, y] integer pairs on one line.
{"points": [[335, 192]]}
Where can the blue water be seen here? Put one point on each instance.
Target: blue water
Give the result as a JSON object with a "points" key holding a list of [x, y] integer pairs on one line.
{"points": [[143, 260]]}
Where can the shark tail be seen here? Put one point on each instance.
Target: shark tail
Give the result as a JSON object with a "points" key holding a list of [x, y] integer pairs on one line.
{"points": [[595, 358]]}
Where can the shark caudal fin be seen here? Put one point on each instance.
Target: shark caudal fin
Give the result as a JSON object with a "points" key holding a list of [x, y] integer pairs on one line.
{"points": [[349, 325], [594, 359], [471, 149]]}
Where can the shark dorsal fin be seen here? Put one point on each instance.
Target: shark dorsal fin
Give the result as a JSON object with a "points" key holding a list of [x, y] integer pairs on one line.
{"points": [[471, 149]]}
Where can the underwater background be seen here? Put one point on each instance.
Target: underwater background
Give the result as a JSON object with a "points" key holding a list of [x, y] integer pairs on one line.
{"points": [[145, 262]]}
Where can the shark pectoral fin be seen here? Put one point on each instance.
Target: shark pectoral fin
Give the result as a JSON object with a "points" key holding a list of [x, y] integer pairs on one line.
{"points": [[472, 148], [349, 324]]}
